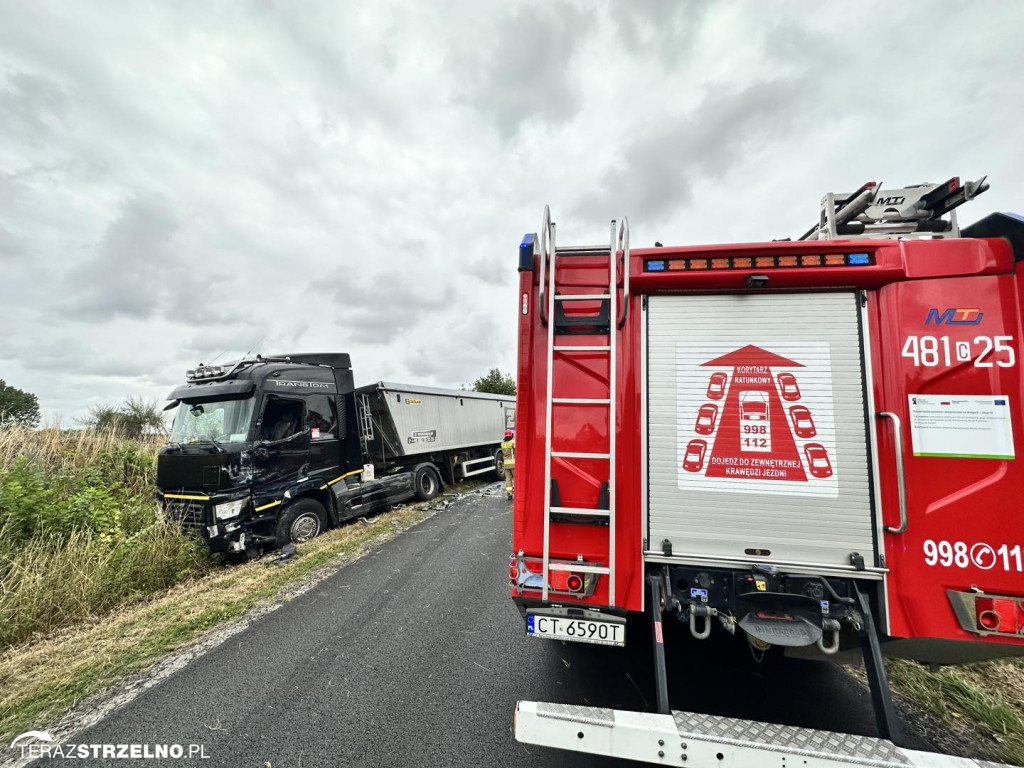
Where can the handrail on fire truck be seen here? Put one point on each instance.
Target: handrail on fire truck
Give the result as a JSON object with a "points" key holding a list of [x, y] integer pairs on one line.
{"points": [[611, 316], [910, 212]]}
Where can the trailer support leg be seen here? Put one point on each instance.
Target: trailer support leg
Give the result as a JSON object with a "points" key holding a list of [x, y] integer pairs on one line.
{"points": [[660, 671], [878, 681]]}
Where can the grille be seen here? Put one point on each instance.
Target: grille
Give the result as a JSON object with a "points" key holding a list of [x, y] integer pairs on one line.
{"points": [[191, 514]]}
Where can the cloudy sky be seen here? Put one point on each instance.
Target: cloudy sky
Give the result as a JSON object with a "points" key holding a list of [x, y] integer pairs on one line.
{"points": [[186, 180]]}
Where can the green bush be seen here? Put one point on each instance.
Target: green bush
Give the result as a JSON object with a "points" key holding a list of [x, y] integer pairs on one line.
{"points": [[128, 467], [26, 503], [79, 535]]}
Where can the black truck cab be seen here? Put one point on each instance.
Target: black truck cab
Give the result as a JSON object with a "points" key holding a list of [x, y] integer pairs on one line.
{"points": [[265, 452]]}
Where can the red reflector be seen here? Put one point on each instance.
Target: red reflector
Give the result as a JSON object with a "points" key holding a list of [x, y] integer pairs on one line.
{"points": [[719, 263], [699, 263], [765, 261], [954, 184], [835, 260], [810, 260], [787, 261], [741, 262], [774, 616], [989, 620]]}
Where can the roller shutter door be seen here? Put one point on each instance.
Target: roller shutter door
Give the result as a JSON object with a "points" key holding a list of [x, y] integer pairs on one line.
{"points": [[757, 432]]}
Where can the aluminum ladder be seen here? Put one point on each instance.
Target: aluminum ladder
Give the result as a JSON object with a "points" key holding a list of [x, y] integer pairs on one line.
{"points": [[610, 318]]}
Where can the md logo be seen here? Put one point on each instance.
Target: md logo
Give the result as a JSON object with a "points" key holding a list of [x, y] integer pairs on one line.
{"points": [[954, 316]]}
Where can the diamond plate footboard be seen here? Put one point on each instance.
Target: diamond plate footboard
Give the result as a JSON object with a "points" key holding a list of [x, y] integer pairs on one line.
{"points": [[707, 741]]}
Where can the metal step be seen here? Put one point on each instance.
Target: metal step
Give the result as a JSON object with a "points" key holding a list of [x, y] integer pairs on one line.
{"points": [[582, 250], [583, 348], [582, 297], [574, 455], [580, 400], [579, 511], [577, 567], [691, 740]]}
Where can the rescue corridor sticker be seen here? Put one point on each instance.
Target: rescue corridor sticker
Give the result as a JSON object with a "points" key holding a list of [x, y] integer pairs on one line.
{"points": [[756, 418]]}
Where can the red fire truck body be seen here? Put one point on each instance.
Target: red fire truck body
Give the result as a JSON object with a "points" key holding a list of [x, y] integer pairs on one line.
{"points": [[806, 441]]}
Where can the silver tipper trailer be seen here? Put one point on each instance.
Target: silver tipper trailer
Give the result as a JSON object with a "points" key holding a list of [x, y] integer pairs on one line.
{"points": [[404, 421]]}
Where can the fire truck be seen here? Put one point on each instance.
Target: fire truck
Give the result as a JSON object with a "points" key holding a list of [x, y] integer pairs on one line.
{"points": [[810, 444]]}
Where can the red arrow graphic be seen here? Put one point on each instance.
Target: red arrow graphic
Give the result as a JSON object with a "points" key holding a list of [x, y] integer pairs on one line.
{"points": [[754, 440]]}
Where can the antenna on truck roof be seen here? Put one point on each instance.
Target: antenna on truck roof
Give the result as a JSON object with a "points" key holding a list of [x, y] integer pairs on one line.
{"points": [[909, 212], [254, 346]]}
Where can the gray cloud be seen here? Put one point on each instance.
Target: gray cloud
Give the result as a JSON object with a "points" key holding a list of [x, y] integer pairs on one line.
{"points": [[524, 72], [11, 247], [668, 27], [133, 267], [659, 167], [30, 105]]}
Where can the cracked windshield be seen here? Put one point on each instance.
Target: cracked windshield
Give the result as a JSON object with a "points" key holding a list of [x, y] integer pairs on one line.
{"points": [[224, 421]]}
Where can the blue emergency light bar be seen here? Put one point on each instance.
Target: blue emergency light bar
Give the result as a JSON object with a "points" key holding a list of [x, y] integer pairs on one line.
{"points": [[785, 261], [526, 251]]}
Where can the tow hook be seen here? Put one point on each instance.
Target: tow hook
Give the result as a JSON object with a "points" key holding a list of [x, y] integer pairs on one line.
{"points": [[830, 626], [705, 613], [728, 623]]}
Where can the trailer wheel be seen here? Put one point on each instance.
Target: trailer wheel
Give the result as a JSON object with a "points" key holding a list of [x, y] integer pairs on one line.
{"points": [[300, 522], [499, 465], [427, 483]]}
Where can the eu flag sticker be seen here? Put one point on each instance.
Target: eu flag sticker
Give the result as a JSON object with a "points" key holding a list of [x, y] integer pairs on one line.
{"points": [[1000, 402]]}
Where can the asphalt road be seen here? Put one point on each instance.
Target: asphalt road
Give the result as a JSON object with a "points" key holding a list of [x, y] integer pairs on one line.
{"points": [[415, 656]]}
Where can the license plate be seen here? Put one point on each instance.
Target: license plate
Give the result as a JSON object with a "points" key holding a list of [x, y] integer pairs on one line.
{"points": [[576, 630]]}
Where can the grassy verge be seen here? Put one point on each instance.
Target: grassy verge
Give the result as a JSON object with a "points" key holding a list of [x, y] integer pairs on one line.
{"points": [[79, 534], [42, 679], [978, 700]]}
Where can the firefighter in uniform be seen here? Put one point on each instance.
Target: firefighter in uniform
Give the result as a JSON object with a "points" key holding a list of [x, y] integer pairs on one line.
{"points": [[508, 452]]}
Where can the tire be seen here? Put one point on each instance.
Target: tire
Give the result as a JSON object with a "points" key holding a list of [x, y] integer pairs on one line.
{"points": [[499, 465], [427, 483], [301, 521]]}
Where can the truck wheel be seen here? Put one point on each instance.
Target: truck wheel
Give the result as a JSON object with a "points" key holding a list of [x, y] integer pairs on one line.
{"points": [[300, 522], [499, 465], [427, 483]]}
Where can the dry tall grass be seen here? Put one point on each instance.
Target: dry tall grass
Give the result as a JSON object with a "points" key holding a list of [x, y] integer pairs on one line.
{"points": [[67, 451]]}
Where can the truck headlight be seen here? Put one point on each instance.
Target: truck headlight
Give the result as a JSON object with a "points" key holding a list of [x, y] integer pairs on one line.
{"points": [[230, 509]]}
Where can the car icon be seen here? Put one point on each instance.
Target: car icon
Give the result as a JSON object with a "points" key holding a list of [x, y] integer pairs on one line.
{"points": [[817, 460], [716, 386], [753, 405], [787, 384], [706, 418], [693, 459], [803, 424]]}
